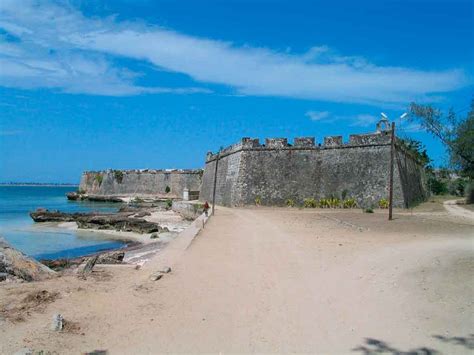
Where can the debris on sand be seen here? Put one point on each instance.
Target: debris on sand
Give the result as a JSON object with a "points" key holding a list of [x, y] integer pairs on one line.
{"points": [[33, 301]]}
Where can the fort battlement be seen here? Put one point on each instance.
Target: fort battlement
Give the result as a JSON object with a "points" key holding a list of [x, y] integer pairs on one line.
{"points": [[277, 169], [304, 143]]}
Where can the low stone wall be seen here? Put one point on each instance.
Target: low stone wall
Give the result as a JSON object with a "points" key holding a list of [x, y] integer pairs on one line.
{"points": [[169, 183]]}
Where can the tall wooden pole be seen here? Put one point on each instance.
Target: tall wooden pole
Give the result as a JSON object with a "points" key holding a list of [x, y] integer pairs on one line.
{"points": [[390, 187], [215, 184]]}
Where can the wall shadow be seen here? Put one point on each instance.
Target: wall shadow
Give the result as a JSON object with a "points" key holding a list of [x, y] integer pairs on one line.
{"points": [[373, 346], [467, 342]]}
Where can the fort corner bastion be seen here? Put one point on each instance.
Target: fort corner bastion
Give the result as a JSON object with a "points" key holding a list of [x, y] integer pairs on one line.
{"points": [[277, 171]]}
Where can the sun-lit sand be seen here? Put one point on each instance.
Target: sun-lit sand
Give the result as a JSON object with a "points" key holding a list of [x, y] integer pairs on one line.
{"points": [[270, 280]]}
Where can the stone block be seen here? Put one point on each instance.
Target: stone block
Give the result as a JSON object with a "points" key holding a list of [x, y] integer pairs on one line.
{"points": [[304, 142], [276, 142], [333, 141], [370, 139]]}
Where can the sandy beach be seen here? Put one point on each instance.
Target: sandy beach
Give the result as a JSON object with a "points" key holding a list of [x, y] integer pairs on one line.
{"points": [[269, 280]]}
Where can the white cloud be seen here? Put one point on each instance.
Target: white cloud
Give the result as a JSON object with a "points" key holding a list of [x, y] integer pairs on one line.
{"points": [[364, 120], [317, 115], [360, 120], [318, 74]]}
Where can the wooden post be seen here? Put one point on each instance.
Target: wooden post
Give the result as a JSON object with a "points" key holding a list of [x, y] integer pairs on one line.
{"points": [[390, 187], [215, 184]]}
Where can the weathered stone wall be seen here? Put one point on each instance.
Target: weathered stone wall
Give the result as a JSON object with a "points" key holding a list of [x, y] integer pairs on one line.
{"points": [[277, 171], [412, 178], [140, 182]]}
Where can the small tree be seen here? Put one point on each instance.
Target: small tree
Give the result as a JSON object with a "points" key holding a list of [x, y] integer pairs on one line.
{"points": [[457, 134]]}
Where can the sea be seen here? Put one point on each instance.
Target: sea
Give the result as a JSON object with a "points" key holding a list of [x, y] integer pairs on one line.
{"points": [[44, 241]]}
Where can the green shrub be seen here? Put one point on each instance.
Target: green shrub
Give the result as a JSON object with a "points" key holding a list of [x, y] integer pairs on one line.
{"points": [[258, 201], [118, 176], [290, 202], [369, 210], [470, 192], [457, 187], [383, 203], [309, 203], [334, 202], [349, 203], [99, 178], [437, 186], [167, 189], [323, 203], [169, 203]]}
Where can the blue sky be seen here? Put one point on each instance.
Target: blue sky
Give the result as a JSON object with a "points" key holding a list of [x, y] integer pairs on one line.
{"points": [[122, 84]]}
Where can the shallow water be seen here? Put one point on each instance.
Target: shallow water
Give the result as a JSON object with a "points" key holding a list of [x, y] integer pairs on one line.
{"points": [[41, 241]]}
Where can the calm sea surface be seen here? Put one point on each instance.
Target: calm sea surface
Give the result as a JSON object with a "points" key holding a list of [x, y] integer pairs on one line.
{"points": [[45, 242]]}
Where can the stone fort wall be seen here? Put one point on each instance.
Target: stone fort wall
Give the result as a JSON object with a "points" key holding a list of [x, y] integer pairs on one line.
{"points": [[276, 171], [140, 182]]}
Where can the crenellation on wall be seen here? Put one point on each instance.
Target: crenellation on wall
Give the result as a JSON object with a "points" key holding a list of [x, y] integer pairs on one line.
{"points": [[250, 142], [382, 137], [276, 143], [304, 142], [333, 141]]}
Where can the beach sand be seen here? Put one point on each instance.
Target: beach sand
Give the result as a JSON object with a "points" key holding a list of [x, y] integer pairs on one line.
{"points": [[270, 280]]}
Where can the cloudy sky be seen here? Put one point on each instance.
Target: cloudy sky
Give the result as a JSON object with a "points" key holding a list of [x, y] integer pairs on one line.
{"points": [[134, 84]]}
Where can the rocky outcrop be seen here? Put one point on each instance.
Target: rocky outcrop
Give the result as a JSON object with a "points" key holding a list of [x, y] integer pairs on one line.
{"points": [[15, 264], [122, 221], [77, 196]]}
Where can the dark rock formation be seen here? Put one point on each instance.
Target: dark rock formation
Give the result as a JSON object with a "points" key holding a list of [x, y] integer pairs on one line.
{"points": [[42, 215], [15, 264], [112, 221], [117, 222], [104, 198], [111, 257], [75, 196]]}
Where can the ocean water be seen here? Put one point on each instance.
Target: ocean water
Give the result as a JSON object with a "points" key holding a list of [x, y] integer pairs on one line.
{"points": [[43, 241]]}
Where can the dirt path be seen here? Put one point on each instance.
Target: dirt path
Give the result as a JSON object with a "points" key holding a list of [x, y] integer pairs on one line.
{"points": [[280, 280], [457, 210]]}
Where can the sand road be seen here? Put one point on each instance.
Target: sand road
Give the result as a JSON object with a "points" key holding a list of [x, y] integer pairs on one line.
{"points": [[278, 281]]}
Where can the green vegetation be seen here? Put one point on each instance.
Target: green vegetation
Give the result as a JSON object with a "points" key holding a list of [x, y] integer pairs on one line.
{"points": [[383, 203], [169, 203], [99, 178], [258, 201], [290, 202], [349, 203], [456, 133], [118, 176], [470, 192], [167, 189], [309, 203], [369, 210]]}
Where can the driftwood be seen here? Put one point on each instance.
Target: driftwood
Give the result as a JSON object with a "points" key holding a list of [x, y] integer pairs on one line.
{"points": [[89, 266]]}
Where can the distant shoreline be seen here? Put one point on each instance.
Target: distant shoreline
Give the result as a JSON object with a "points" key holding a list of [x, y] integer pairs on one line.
{"points": [[38, 184]]}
